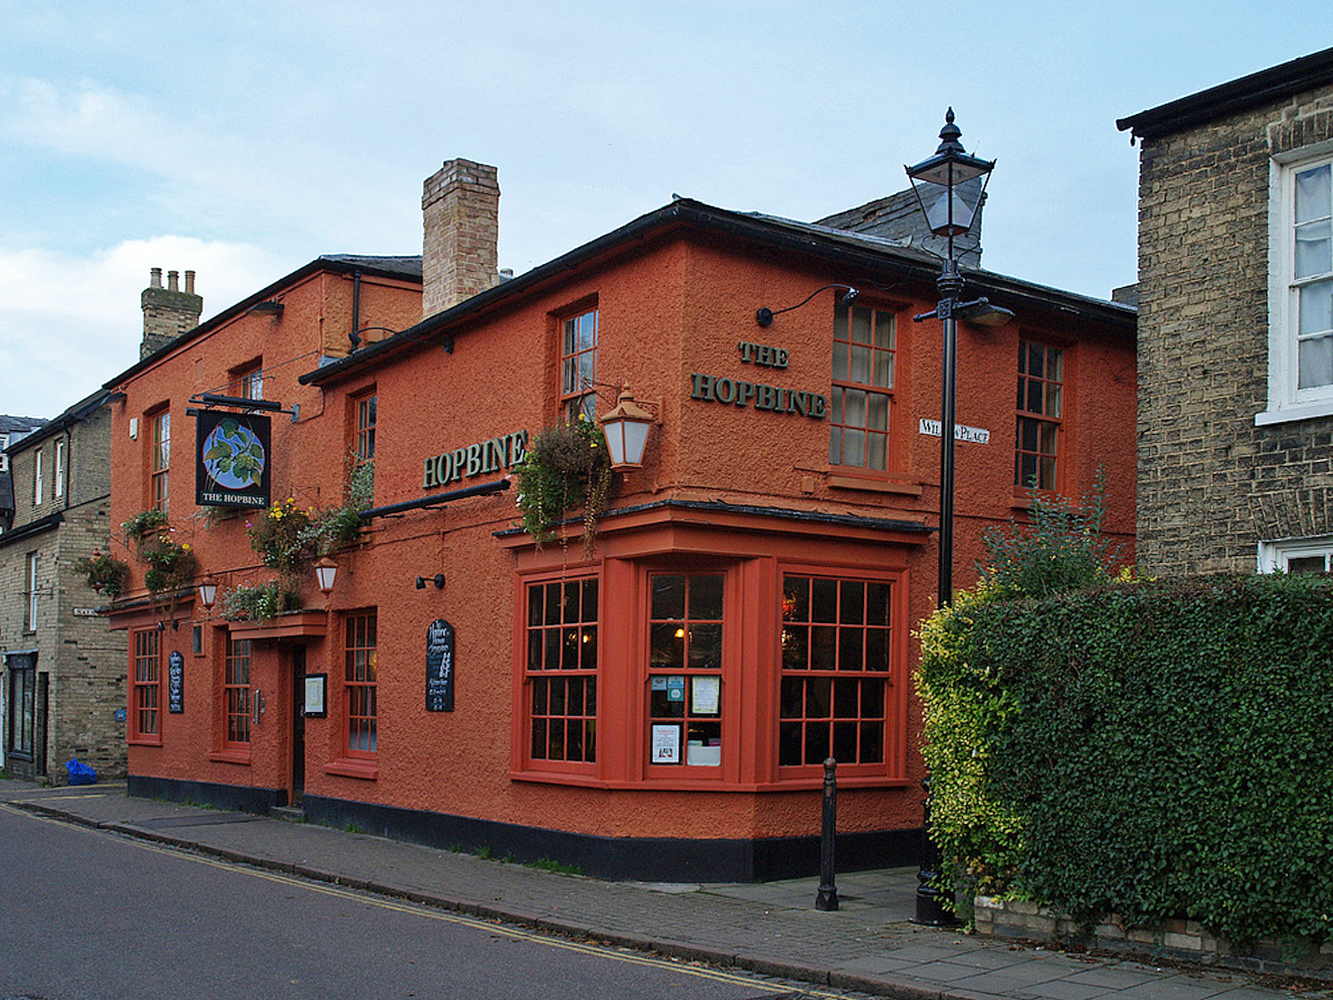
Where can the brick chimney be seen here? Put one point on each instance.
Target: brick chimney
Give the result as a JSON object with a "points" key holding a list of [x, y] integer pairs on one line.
{"points": [[460, 205], [167, 312]]}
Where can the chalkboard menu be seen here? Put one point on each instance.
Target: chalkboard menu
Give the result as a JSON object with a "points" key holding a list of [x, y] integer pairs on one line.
{"points": [[440, 666], [175, 682]]}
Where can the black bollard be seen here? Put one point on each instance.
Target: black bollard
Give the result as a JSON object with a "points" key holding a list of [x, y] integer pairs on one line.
{"points": [[930, 901], [827, 897]]}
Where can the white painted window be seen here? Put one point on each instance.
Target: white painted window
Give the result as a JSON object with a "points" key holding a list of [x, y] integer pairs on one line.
{"points": [[30, 623], [37, 488], [59, 485], [1297, 555], [4, 459], [1300, 336]]}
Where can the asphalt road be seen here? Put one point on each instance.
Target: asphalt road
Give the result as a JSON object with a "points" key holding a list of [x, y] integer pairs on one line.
{"points": [[88, 914]]}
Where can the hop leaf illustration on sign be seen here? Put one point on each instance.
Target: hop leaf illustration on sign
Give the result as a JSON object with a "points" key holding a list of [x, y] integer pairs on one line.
{"points": [[233, 456]]}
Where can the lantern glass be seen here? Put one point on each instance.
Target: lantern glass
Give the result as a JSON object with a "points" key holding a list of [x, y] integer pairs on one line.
{"points": [[326, 571], [950, 208], [626, 440], [208, 592]]}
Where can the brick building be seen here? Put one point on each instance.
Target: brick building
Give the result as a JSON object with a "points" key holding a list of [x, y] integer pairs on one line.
{"points": [[661, 706], [11, 429], [1236, 325], [63, 678]]}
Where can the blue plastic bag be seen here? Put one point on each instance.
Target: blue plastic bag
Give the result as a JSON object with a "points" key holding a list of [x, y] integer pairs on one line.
{"points": [[80, 774]]}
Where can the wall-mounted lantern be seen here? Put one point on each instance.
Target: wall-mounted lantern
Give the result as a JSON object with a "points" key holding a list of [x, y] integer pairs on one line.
{"points": [[208, 592], [626, 429], [326, 571], [437, 579]]}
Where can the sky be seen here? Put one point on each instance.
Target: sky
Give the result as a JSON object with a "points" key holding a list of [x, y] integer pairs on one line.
{"points": [[243, 139]]}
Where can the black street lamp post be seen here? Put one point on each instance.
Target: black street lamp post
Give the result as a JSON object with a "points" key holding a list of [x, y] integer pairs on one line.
{"points": [[949, 188]]}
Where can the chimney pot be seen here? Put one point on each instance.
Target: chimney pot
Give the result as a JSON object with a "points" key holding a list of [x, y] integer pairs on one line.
{"points": [[173, 281], [155, 277], [189, 282]]}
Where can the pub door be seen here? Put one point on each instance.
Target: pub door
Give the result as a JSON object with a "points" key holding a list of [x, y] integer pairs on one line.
{"points": [[298, 727]]}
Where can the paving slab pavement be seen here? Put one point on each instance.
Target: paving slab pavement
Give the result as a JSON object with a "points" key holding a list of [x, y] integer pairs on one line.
{"points": [[868, 945]]}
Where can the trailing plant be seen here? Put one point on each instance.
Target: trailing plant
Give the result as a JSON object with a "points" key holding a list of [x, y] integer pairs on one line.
{"points": [[566, 467], [171, 565], [139, 526], [278, 538], [1063, 547], [259, 601], [335, 527], [104, 572]]}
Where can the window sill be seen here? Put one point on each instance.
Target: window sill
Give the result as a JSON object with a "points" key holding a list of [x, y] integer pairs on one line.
{"points": [[141, 742], [366, 770], [683, 783], [1291, 414], [874, 485], [231, 757]]}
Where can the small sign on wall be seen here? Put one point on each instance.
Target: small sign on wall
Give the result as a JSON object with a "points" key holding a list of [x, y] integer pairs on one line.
{"points": [[440, 666], [316, 689], [175, 683]]}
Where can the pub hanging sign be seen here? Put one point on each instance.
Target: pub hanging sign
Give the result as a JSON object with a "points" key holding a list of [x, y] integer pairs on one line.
{"points": [[232, 459]]}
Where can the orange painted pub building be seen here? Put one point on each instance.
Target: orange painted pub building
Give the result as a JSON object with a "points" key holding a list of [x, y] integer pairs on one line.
{"points": [[661, 708]]}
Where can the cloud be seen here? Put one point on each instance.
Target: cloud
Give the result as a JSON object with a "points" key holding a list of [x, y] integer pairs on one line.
{"points": [[69, 323]]}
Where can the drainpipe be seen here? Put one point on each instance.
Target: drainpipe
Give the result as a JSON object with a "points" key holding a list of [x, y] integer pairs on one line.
{"points": [[355, 336]]}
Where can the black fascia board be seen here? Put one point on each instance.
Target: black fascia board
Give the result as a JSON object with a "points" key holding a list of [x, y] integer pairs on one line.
{"points": [[853, 252], [1265, 87], [46, 523], [754, 510], [340, 264], [69, 418]]}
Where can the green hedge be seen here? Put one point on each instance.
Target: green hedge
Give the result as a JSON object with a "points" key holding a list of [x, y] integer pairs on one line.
{"points": [[1157, 750]]}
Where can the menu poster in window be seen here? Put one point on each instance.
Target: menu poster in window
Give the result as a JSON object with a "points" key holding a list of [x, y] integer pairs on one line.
{"points": [[175, 683], [666, 744], [316, 690], [440, 666], [706, 695]]}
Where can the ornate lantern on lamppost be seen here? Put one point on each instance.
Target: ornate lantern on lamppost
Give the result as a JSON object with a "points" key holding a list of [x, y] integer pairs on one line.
{"points": [[949, 188]]}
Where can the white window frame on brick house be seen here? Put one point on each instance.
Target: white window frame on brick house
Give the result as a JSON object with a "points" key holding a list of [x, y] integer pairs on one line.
{"points": [[1286, 400], [1278, 556], [30, 580], [58, 483], [4, 458], [37, 484]]}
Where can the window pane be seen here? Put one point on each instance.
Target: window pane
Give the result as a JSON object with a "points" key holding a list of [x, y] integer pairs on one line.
{"points": [[884, 330], [1316, 307], [1305, 564], [668, 597], [588, 652], [884, 369], [860, 325], [844, 741], [860, 364], [850, 649], [789, 743], [667, 648], [706, 597], [706, 645], [796, 598], [795, 647], [823, 646], [824, 602], [1312, 249], [1316, 362], [840, 368], [1312, 194], [877, 417]]}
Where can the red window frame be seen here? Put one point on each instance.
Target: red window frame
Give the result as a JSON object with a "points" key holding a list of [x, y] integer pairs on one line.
{"points": [[160, 460], [861, 425], [579, 334], [146, 686], [1040, 410], [367, 407], [560, 671], [361, 723], [835, 698], [687, 612], [236, 694]]}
